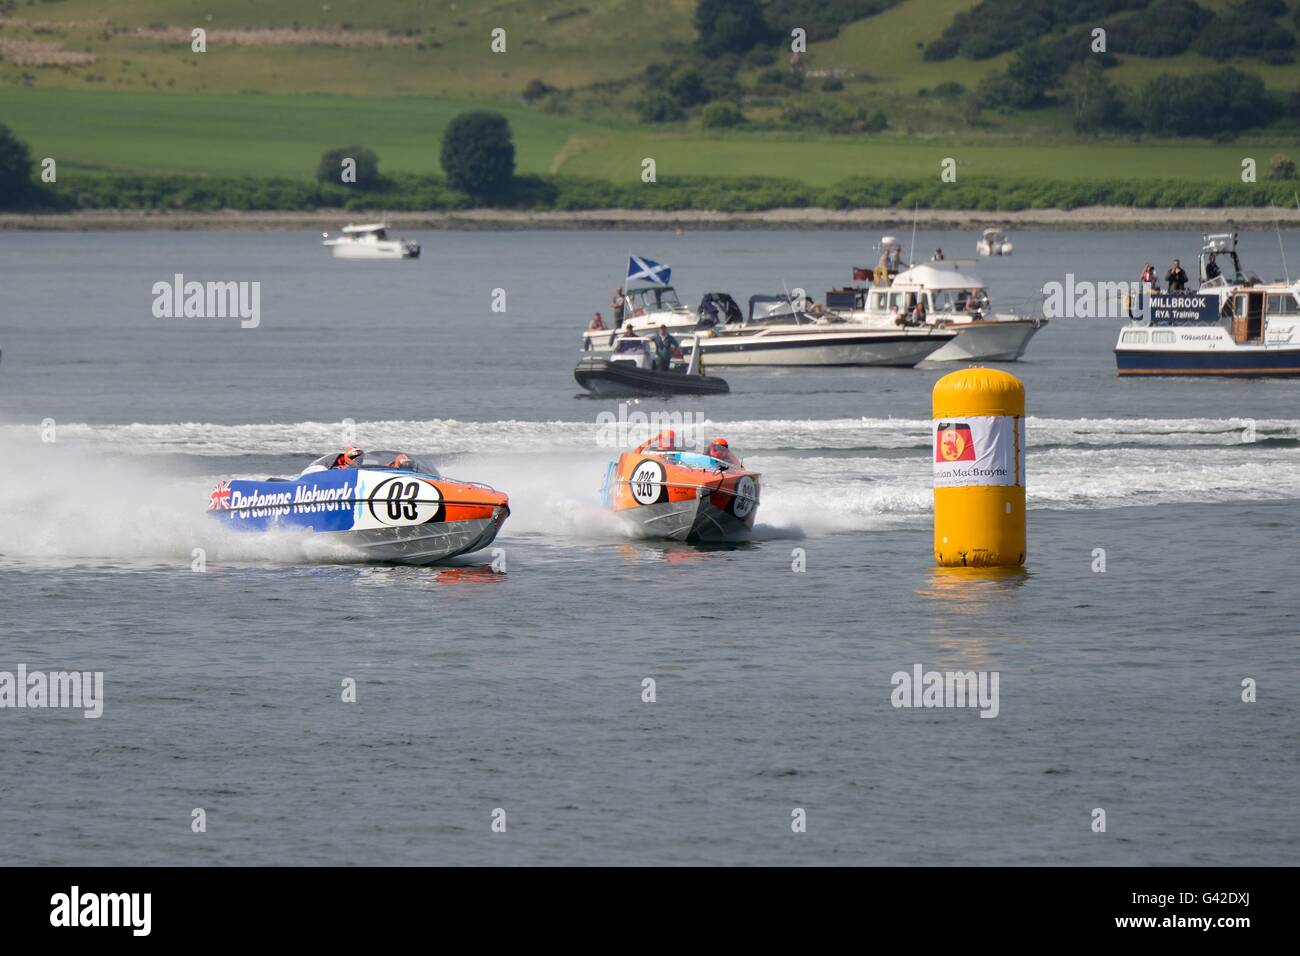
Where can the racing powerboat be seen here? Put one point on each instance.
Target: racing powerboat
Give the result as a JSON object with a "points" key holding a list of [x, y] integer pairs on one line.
{"points": [[671, 493], [386, 505], [777, 331], [629, 371], [370, 241], [951, 297], [1232, 325]]}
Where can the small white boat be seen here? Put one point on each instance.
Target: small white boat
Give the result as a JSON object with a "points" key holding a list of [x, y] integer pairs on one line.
{"points": [[645, 310], [777, 333], [994, 242], [1232, 325], [950, 299], [370, 241]]}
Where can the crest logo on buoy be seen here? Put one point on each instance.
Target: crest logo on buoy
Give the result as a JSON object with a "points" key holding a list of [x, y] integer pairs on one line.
{"points": [[953, 442]]}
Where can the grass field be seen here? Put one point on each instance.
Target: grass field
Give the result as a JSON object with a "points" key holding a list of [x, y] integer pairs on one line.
{"points": [[437, 46], [259, 135]]}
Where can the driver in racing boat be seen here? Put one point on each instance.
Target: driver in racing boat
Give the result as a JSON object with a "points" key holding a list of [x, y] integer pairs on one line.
{"points": [[348, 458], [719, 449], [401, 461], [664, 441]]}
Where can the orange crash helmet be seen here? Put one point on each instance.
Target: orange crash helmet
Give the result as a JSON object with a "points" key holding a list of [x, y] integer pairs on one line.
{"points": [[348, 458], [400, 461]]}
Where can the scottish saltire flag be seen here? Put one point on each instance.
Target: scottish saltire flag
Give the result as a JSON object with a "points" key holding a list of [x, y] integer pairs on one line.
{"points": [[644, 272]]}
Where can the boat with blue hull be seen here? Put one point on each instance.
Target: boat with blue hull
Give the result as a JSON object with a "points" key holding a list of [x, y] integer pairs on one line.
{"points": [[1232, 325]]}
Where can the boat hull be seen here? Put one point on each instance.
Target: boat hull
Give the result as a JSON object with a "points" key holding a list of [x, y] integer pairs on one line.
{"points": [[1256, 362], [837, 348], [988, 341], [621, 379], [388, 250], [425, 544], [692, 522]]}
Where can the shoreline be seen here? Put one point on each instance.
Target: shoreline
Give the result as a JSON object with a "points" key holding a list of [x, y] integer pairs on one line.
{"points": [[1083, 218]]}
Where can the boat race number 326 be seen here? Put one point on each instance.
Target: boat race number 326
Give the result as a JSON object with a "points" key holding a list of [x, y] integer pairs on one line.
{"points": [[648, 482]]}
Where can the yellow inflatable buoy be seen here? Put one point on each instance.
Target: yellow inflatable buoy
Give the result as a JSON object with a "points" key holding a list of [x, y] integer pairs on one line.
{"points": [[979, 469]]}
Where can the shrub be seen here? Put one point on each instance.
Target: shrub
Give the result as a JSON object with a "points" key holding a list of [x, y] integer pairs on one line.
{"points": [[658, 107], [15, 169], [729, 26], [1281, 167], [330, 169], [478, 154], [536, 90], [1207, 104], [721, 116]]}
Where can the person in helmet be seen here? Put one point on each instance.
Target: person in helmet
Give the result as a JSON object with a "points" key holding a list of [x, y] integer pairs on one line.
{"points": [[401, 460], [719, 449], [665, 441], [348, 458]]}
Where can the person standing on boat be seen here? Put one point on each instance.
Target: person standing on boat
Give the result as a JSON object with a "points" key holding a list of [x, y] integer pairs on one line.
{"points": [[665, 345], [1149, 277], [617, 304], [597, 324], [1176, 278], [938, 256], [1211, 268]]}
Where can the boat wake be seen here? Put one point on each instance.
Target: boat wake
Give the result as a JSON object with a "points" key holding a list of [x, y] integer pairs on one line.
{"points": [[138, 493]]}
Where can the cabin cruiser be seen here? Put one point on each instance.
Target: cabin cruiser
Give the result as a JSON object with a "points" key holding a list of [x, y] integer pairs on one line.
{"points": [[645, 310], [384, 504], [630, 371], [778, 331], [951, 298], [370, 241], [1232, 325], [994, 242], [670, 492]]}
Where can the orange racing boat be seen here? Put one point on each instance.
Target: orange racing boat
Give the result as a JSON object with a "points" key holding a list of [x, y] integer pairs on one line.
{"points": [[670, 492]]}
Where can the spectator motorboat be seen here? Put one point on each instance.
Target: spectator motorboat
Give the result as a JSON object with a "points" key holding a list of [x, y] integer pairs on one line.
{"points": [[671, 493], [370, 241], [994, 242], [952, 298], [1234, 324], [629, 370], [645, 310], [385, 505], [779, 330]]}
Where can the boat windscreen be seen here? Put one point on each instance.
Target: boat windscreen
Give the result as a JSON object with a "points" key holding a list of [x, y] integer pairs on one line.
{"points": [[399, 460], [659, 299]]}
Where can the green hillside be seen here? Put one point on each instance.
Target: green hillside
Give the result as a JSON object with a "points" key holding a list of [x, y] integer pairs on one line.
{"points": [[885, 88]]}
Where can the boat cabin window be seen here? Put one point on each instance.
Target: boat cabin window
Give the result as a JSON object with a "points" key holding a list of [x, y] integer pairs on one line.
{"points": [[398, 460], [1284, 304], [880, 301], [1134, 338], [1162, 338]]}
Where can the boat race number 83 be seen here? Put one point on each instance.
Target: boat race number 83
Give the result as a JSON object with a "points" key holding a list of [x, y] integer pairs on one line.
{"points": [[647, 483], [403, 501]]}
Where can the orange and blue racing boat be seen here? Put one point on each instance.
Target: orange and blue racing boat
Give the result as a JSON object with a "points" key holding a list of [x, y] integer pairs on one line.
{"points": [[671, 493], [385, 505]]}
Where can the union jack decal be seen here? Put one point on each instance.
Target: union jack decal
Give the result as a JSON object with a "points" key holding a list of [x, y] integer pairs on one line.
{"points": [[219, 500]]}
